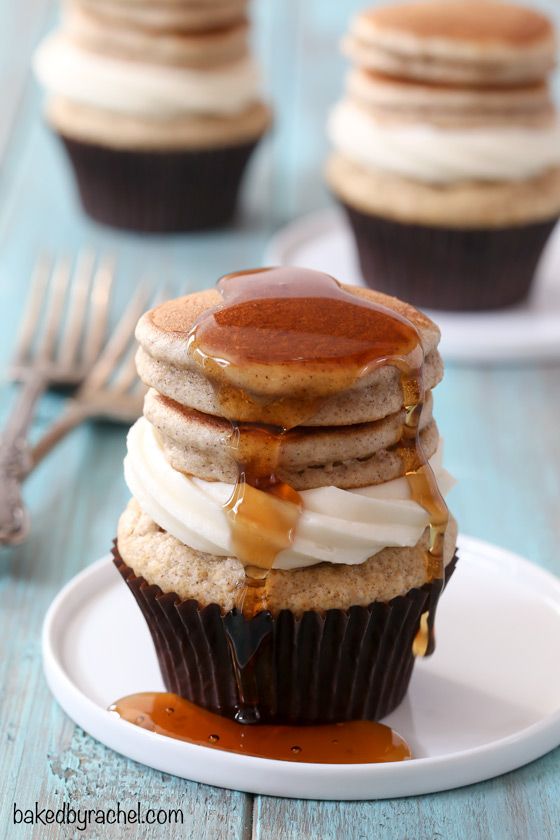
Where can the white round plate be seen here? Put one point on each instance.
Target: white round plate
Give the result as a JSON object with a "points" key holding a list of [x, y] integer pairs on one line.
{"points": [[527, 332], [485, 703]]}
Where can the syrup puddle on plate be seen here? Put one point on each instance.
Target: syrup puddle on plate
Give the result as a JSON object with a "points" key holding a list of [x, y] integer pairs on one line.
{"points": [[352, 742]]}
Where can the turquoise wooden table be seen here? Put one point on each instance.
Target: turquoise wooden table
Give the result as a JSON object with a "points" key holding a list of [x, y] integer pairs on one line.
{"points": [[501, 427]]}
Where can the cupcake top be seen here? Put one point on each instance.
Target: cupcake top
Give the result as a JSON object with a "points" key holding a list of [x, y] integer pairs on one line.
{"points": [[278, 411], [128, 73]]}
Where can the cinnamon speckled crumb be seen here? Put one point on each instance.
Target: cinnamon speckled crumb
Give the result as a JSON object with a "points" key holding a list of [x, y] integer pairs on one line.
{"points": [[161, 559]]}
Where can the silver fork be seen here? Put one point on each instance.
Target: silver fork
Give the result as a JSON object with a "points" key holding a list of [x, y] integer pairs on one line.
{"points": [[111, 390], [61, 335]]}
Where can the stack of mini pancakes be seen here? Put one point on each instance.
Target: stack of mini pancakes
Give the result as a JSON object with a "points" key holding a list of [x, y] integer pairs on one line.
{"points": [[360, 542], [170, 82], [446, 144]]}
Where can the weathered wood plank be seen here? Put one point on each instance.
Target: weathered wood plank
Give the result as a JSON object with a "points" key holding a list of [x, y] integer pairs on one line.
{"points": [[515, 807], [501, 433], [500, 427]]}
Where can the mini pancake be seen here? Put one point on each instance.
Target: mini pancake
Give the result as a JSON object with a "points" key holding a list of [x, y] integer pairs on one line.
{"points": [[404, 101], [167, 15], [199, 48], [465, 42], [345, 456], [165, 363]]}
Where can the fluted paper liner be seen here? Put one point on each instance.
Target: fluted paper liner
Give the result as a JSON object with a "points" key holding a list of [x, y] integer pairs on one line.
{"points": [[159, 191], [448, 268], [319, 667]]}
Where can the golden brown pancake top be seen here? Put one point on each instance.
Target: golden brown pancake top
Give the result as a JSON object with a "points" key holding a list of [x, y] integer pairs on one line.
{"points": [[468, 20]]}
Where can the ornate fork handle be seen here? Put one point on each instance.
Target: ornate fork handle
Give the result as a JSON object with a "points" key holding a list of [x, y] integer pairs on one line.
{"points": [[14, 519], [15, 463]]}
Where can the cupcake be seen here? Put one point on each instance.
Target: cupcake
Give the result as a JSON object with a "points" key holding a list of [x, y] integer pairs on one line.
{"points": [[287, 539], [158, 106], [446, 150]]}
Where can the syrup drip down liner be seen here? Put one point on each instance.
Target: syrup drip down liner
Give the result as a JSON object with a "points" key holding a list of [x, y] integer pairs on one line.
{"points": [[152, 191], [318, 668], [448, 268]]}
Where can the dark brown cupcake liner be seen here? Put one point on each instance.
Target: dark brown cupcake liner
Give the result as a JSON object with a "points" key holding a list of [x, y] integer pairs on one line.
{"points": [[315, 668], [448, 268], [165, 192]]}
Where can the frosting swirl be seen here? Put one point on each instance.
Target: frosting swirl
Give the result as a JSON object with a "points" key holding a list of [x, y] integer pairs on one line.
{"points": [[142, 89], [335, 526], [428, 154]]}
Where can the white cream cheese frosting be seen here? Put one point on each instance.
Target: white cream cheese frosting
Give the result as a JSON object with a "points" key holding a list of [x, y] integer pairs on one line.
{"points": [[141, 89], [436, 155], [335, 526]]}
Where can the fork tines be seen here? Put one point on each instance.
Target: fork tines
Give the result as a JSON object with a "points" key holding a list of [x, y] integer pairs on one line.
{"points": [[65, 319]]}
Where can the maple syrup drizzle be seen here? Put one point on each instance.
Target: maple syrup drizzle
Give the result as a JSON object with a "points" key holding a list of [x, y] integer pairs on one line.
{"points": [[354, 742], [262, 511], [425, 491]]}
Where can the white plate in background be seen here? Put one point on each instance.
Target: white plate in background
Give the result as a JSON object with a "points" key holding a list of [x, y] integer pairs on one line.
{"points": [[526, 332], [486, 702]]}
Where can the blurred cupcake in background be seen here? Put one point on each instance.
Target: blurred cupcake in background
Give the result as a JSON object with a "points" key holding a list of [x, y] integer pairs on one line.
{"points": [[446, 150], [159, 106]]}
